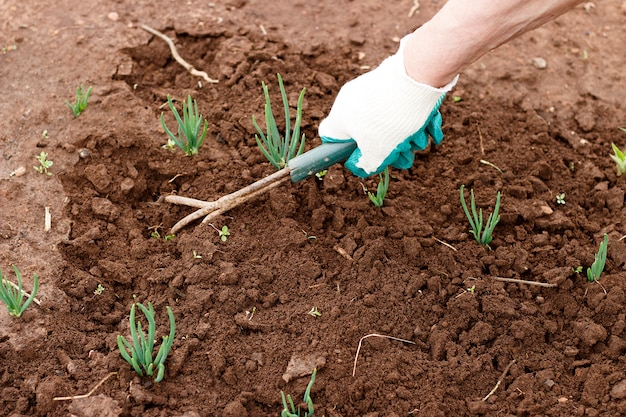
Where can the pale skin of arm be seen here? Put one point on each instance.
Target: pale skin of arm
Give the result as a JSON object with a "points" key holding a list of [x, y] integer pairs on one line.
{"points": [[465, 30]]}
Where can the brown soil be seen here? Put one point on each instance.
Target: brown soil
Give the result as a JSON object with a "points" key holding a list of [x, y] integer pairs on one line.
{"points": [[242, 308]]}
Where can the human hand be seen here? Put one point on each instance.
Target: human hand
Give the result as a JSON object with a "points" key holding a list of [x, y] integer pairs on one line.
{"points": [[388, 114]]}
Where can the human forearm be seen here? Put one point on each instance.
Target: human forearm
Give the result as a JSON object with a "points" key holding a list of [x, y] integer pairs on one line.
{"points": [[463, 31]]}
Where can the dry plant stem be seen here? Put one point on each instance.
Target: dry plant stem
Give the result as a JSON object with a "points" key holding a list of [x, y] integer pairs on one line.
{"points": [[177, 57], [506, 371], [27, 295], [47, 219], [415, 9], [211, 209], [78, 397], [480, 136], [358, 349], [521, 281], [445, 244]]}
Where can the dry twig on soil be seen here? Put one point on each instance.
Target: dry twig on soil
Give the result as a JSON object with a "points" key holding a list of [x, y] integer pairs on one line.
{"points": [[358, 349], [177, 57], [445, 244], [415, 9], [521, 281], [506, 371], [78, 397]]}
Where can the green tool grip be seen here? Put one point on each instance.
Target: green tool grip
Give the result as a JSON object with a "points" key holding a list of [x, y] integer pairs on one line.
{"points": [[319, 159]]}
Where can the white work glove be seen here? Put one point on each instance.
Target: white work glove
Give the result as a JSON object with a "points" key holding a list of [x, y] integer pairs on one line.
{"points": [[388, 114]]}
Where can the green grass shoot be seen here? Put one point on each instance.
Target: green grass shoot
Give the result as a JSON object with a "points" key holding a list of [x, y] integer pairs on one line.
{"points": [[594, 272], [279, 150], [138, 352], [381, 190], [189, 137], [482, 234], [289, 409], [80, 104], [619, 157], [13, 295]]}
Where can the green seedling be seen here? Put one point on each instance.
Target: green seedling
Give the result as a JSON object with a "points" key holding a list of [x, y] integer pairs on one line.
{"points": [[99, 290], [594, 272], [223, 232], [381, 191], [279, 150], [170, 145], [138, 352], [578, 269], [560, 199], [156, 235], [315, 312], [81, 101], [308, 236], [321, 174], [189, 138], [289, 409], [619, 157], [196, 255], [482, 236], [8, 48], [13, 295], [44, 163]]}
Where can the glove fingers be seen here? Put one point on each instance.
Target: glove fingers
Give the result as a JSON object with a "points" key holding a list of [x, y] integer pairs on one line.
{"points": [[433, 127]]}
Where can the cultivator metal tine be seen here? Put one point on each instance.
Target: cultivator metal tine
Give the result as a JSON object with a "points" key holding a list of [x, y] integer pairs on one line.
{"points": [[298, 168], [211, 209]]}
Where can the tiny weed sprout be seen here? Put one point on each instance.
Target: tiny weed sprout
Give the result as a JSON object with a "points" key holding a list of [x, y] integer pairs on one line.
{"points": [[13, 296], [189, 138], [156, 235], [560, 199], [170, 145], [476, 218], [99, 290], [289, 409], [321, 174], [381, 191], [315, 312], [138, 352], [279, 150], [578, 269], [81, 101], [594, 272], [223, 233], [196, 255], [619, 157], [44, 163]]}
